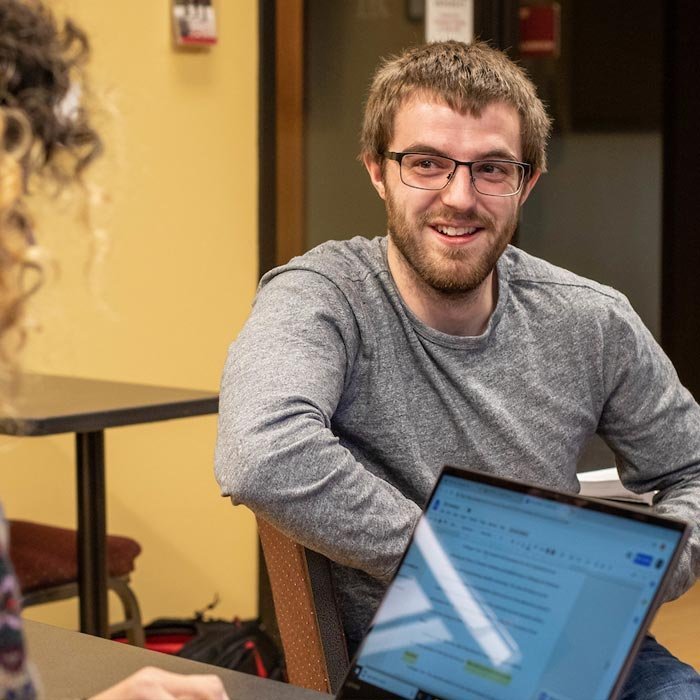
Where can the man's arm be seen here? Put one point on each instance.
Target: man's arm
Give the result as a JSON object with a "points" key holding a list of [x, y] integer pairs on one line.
{"points": [[284, 378], [653, 425]]}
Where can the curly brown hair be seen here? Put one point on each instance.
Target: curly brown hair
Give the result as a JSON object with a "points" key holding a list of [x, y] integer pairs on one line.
{"points": [[44, 132]]}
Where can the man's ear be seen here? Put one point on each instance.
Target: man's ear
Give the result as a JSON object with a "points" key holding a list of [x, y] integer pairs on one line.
{"points": [[528, 186], [374, 168]]}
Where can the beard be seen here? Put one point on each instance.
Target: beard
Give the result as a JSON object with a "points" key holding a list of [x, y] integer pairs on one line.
{"points": [[451, 271]]}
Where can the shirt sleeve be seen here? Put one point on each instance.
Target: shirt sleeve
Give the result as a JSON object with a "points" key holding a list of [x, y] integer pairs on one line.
{"points": [[652, 423], [276, 450], [17, 678]]}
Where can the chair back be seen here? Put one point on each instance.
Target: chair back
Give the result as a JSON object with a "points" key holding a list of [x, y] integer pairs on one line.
{"points": [[309, 623]]}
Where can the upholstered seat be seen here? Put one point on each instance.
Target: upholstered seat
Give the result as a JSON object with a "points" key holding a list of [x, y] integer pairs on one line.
{"points": [[46, 564]]}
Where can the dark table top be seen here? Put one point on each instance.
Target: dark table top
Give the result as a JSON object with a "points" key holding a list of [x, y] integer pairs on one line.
{"points": [[48, 404], [74, 665]]}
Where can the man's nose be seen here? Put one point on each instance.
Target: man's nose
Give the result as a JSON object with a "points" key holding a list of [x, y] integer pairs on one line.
{"points": [[459, 193]]}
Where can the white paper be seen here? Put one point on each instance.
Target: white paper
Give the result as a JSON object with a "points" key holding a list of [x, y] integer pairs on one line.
{"points": [[607, 474], [449, 19], [605, 483]]}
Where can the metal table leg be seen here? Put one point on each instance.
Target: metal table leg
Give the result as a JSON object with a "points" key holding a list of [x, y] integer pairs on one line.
{"points": [[92, 533]]}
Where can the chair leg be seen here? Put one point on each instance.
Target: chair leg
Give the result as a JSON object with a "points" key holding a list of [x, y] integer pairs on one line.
{"points": [[132, 624]]}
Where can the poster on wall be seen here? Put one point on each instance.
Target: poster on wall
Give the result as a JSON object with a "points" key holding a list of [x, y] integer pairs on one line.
{"points": [[194, 23]]}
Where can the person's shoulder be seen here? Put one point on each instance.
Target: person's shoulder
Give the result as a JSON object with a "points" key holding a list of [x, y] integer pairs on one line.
{"points": [[528, 272], [354, 258], [339, 262]]}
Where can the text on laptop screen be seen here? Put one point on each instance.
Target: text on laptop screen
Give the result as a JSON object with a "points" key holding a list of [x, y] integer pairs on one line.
{"points": [[504, 595]]}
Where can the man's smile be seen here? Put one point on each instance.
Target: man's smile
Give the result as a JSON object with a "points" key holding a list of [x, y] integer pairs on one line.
{"points": [[456, 231]]}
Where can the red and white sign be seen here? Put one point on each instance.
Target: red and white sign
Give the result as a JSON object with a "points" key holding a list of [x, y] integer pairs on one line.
{"points": [[194, 23], [540, 30]]}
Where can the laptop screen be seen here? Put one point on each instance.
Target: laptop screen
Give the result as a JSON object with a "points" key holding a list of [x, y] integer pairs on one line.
{"points": [[511, 592]]}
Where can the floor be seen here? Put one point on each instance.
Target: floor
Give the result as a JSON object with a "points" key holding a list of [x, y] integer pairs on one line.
{"points": [[676, 626]]}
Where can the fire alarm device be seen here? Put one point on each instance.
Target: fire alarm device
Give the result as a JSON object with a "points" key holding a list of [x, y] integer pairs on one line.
{"points": [[194, 23], [540, 30]]}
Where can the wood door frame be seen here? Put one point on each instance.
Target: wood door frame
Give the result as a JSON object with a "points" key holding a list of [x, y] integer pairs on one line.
{"points": [[281, 195]]}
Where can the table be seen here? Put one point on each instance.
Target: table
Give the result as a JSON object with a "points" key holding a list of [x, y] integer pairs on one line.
{"points": [[74, 665], [49, 404]]}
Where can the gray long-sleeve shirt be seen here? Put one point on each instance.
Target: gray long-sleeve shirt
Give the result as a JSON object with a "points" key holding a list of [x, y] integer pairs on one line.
{"points": [[338, 406]]}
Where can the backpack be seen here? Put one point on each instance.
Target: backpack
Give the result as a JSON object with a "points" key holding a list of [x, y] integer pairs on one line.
{"points": [[240, 645]]}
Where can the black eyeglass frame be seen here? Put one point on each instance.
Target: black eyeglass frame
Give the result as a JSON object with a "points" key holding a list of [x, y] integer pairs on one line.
{"points": [[398, 156]]}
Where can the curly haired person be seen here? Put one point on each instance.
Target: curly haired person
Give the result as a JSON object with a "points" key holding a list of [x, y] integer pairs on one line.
{"points": [[45, 134]]}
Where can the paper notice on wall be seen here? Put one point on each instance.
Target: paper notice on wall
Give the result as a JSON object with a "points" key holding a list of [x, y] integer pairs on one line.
{"points": [[449, 19]]}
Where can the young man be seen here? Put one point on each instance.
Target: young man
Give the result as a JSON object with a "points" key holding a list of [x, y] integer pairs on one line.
{"points": [[367, 365]]}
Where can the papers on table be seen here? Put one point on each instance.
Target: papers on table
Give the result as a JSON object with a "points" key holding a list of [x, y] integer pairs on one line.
{"points": [[604, 483]]}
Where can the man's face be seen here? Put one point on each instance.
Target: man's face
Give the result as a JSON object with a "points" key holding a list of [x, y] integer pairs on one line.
{"points": [[451, 238]]}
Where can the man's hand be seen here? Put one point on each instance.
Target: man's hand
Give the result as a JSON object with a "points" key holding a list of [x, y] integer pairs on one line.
{"points": [[155, 684]]}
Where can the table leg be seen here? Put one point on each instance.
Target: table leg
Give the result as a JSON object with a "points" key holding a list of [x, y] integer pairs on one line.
{"points": [[92, 533]]}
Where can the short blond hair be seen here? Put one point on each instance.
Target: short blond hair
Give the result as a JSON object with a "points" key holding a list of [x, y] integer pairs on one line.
{"points": [[467, 78]]}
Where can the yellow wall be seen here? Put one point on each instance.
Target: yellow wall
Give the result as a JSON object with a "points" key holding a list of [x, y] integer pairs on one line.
{"points": [[171, 293]]}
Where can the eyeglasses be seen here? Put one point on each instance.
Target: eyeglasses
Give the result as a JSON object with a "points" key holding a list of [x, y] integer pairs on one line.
{"points": [[496, 178]]}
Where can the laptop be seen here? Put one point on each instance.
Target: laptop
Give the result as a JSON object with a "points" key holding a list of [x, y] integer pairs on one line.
{"points": [[509, 591]]}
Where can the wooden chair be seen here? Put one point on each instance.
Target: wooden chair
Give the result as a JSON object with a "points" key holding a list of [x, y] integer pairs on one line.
{"points": [[45, 562], [309, 623]]}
